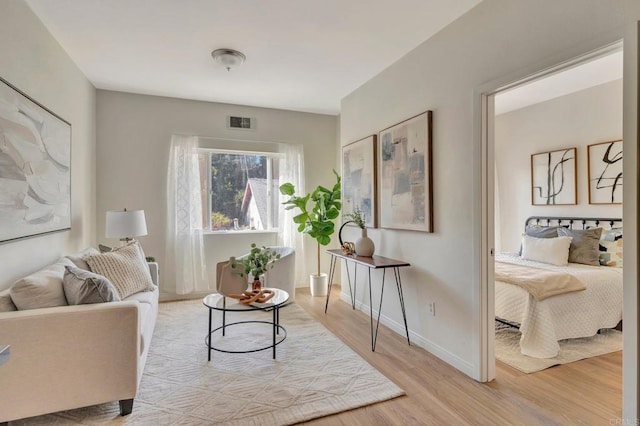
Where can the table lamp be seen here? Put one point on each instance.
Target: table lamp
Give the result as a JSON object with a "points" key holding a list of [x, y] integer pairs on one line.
{"points": [[125, 224]]}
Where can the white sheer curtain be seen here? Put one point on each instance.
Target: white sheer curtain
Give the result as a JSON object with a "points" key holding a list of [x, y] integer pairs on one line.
{"points": [[185, 248], [292, 170]]}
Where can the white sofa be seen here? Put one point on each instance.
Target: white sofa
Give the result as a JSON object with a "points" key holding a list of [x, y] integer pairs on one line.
{"points": [[68, 357]]}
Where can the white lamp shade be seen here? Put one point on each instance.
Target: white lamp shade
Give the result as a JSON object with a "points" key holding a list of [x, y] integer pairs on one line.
{"points": [[126, 224]]}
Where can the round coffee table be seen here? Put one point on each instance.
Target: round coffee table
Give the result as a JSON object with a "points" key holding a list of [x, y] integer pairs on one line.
{"points": [[218, 302]]}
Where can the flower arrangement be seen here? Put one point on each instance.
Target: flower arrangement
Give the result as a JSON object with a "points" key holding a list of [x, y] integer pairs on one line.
{"points": [[257, 261], [357, 217]]}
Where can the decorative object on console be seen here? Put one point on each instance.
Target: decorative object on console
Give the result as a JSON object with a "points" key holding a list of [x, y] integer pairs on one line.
{"points": [[359, 179], [405, 193], [317, 223], [554, 177], [364, 245], [347, 246], [605, 172], [256, 263], [228, 58], [35, 166], [125, 224]]}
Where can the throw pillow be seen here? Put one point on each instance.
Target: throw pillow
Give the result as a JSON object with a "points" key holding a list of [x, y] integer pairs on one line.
{"points": [[546, 250], [78, 258], [104, 249], [584, 245], [6, 304], [124, 267], [42, 289], [611, 248], [83, 287]]}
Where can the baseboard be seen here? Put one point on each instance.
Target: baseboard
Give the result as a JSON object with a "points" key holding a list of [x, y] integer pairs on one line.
{"points": [[417, 339]]}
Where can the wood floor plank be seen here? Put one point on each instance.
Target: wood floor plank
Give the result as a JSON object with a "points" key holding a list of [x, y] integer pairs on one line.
{"points": [[583, 392]]}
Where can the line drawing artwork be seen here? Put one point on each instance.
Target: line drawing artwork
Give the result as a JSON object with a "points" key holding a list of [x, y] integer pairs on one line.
{"points": [[553, 176], [605, 172], [35, 167]]}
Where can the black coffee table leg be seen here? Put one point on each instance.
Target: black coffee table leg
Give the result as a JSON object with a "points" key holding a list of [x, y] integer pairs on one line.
{"points": [[209, 338]]}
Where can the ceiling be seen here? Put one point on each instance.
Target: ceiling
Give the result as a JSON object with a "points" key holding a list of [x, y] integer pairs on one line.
{"points": [[583, 76], [302, 55]]}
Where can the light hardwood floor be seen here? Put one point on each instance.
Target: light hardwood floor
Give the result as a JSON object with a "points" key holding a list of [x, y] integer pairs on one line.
{"points": [[585, 392]]}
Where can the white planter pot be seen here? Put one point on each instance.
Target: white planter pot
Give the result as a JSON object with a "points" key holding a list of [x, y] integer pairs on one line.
{"points": [[318, 284]]}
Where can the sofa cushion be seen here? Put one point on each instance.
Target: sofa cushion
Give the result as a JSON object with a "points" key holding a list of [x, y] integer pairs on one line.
{"points": [[42, 289], [84, 287], [124, 267], [6, 304], [78, 258], [147, 297]]}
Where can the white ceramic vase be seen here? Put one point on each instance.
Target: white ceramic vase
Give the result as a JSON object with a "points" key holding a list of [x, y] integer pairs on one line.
{"points": [[364, 245], [318, 284]]}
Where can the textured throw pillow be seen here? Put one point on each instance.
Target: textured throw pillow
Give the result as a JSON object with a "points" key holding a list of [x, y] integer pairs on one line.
{"points": [[42, 289], [546, 250], [104, 249], [6, 304], [83, 287], [611, 248], [124, 267], [78, 258], [584, 245]]}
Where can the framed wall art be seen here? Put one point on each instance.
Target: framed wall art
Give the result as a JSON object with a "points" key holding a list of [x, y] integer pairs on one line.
{"points": [[554, 178], [405, 193], [605, 172], [35, 167], [359, 179]]}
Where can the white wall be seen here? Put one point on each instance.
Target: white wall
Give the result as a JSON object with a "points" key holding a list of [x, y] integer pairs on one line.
{"points": [[134, 132], [497, 42], [575, 120], [36, 64]]}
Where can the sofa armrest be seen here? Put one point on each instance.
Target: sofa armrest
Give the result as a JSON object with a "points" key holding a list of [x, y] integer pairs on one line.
{"points": [[68, 356], [155, 272]]}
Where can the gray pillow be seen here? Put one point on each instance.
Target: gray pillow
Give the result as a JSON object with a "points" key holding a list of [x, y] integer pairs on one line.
{"points": [[540, 232], [42, 289], [585, 245], [82, 287], [77, 258]]}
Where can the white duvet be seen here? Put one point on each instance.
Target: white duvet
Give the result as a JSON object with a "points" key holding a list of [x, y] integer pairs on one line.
{"points": [[579, 314]]}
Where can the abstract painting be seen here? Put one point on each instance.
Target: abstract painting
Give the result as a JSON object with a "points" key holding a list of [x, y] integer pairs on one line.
{"points": [[359, 179], [404, 168], [605, 172], [553, 178], [35, 167]]}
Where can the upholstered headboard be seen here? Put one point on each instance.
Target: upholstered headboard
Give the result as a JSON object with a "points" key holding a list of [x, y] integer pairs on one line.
{"points": [[574, 222]]}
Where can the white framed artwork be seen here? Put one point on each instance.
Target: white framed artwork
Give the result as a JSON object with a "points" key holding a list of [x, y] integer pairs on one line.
{"points": [[605, 172], [359, 179], [554, 178]]}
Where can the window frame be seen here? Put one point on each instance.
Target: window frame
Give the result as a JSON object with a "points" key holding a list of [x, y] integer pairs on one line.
{"points": [[270, 155]]}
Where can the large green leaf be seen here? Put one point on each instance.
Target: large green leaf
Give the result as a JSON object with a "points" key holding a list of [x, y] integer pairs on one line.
{"points": [[333, 213], [287, 189], [301, 218], [323, 239]]}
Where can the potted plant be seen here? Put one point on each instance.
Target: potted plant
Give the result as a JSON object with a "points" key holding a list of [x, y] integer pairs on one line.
{"points": [[364, 245], [317, 221], [256, 263]]}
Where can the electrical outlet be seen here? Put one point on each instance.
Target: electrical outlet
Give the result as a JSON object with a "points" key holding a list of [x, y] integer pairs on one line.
{"points": [[432, 308]]}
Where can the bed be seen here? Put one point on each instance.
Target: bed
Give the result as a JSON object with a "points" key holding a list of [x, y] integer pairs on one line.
{"points": [[570, 315]]}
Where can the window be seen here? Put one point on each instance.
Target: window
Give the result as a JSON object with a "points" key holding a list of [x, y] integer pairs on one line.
{"points": [[239, 190]]}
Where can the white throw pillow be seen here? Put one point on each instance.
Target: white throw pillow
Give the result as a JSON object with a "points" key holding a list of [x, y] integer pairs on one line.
{"points": [[546, 250], [42, 289], [125, 267]]}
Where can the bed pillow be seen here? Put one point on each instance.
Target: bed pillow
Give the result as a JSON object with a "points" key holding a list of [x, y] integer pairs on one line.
{"points": [[611, 248], [125, 267], [554, 251], [584, 245], [83, 287], [540, 232]]}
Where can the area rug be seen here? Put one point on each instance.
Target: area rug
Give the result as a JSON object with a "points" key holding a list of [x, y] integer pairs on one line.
{"points": [[507, 349], [314, 375]]}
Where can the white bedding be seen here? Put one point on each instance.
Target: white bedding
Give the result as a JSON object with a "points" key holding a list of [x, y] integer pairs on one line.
{"points": [[579, 314]]}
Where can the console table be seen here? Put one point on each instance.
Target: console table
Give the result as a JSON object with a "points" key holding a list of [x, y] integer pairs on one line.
{"points": [[375, 262]]}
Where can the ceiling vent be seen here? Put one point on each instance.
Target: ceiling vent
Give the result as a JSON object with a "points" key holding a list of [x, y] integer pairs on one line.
{"points": [[242, 123]]}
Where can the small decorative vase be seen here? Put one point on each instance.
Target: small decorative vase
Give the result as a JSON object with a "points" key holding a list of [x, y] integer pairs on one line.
{"points": [[256, 284], [364, 245]]}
